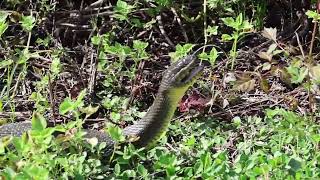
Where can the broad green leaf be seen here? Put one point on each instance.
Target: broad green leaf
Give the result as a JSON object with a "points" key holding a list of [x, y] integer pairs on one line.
{"points": [[55, 66], [212, 30], [89, 110], [3, 16], [3, 27], [66, 106], [142, 170], [181, 51], [95, 40], [27, 23], [37, 172], [313, 14], [122, 10], [229, 21], [5, 63], [213, 56], [226, 37], [38, 122], [115, 133], [115, 116]]}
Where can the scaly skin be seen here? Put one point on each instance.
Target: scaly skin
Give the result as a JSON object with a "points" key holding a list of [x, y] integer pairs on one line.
{"points": [[176, 80]]}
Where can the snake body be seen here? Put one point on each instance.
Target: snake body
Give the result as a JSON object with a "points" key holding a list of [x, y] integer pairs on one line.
{"points": [[176, 80]]}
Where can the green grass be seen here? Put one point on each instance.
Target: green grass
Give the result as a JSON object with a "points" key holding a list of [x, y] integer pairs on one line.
{"points": [[281, 146]]}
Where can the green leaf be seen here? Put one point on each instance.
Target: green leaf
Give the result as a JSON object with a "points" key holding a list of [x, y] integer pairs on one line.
{"points": [[79, 102], [27, 23], [117, 169], [294, 164], [96, 40], [237, 121], [213, 56], [22, 144], [37, 172], [38, 122], [238, 22], [226, 37], [142, 170], [55, 66], [213, 4], [181, 51], [206, 160], [115, 116], [89, 110], [229, 21], [191, 141], [115, 133], [66, 106], [140, 47], [313, 15], [122, 10], [3, 16], [1, 106], [3, 27], [212, 30], [5, 63], [163, 2], [297, 74]]}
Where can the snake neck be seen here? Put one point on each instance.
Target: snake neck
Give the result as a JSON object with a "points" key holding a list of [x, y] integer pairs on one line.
{"points": [[155, 123]]}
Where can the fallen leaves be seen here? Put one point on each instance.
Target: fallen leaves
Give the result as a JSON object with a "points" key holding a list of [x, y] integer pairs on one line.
{"points": [[194, 101]]}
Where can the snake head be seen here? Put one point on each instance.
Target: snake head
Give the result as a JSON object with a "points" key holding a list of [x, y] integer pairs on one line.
{"points": [[181, 74]]}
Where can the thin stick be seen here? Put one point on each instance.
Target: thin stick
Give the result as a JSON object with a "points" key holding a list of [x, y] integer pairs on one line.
{"points": [[163, 32]]}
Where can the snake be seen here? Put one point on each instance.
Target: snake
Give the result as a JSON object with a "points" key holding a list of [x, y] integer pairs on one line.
{"points": [[175, 82]]}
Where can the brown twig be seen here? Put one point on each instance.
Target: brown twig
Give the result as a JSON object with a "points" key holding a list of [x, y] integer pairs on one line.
{"points": [[52, 100], [184, 33], [163, 32]]}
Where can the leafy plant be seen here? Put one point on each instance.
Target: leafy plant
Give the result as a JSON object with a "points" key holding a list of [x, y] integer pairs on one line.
{"points": [[181, 51], [3, 23], [123, 9], [240, 27], [27, 23]]}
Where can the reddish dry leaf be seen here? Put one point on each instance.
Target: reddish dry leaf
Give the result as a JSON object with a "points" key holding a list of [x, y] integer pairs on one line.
{"points": [[194, 101]]}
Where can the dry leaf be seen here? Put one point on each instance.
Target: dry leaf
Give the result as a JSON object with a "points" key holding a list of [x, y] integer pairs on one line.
{"points": [[285, 76], [315, 73], [92, 141], [194, 101], [264, 84], [272, 48], [225, 103], [266, 66], [270, 33], [246, 86], [265, 56]]}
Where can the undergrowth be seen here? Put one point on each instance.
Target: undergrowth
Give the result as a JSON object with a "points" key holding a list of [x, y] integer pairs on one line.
{"points": [[66, 66]]}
